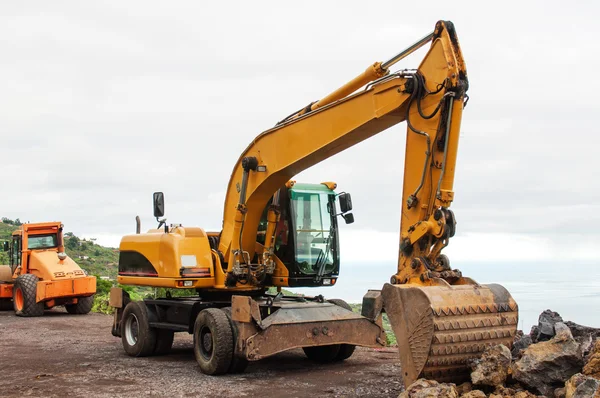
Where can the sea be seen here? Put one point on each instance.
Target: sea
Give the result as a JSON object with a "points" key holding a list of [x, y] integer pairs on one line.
{"points": [[571, 289]]}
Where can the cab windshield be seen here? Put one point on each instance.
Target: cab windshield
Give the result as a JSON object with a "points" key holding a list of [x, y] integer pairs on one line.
{"points": [[315, 230], [42, 241]]}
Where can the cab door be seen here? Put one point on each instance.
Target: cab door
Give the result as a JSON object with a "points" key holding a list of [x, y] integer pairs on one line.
{"points": [[15, 253]]}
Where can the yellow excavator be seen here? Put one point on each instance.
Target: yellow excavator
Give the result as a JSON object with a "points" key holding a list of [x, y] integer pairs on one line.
{"points": [[277, 233]]}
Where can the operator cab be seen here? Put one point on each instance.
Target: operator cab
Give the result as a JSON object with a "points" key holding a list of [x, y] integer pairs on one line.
{"points": [[306, 239]]}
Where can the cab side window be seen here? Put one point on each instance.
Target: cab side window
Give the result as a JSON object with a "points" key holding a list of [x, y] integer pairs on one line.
{"points": [[15, 252]]}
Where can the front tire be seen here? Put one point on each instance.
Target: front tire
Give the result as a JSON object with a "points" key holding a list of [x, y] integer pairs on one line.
{"points": [[213, 341], [24, 296], [83, 306], [138, 338], [238, 364]]}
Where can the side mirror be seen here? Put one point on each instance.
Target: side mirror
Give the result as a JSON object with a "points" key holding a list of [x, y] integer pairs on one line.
{"points": [[5, 246], [159, 204], [349, 218], [345, 202]]}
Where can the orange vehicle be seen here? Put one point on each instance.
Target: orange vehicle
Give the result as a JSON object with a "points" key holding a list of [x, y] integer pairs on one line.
{"points": [[41, 275]]}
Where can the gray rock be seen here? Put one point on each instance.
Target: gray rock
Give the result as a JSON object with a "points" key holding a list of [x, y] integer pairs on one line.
{"points": [[546, 323], [546, 366], [491, 369], [581, 386], [520, 344], [584, 335]]}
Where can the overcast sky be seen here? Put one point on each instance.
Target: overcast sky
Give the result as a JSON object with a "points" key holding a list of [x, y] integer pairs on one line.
{"points": [[104, 103]]}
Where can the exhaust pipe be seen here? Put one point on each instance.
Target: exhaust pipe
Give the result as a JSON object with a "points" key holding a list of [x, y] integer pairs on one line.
{"points": [[138, 225]]}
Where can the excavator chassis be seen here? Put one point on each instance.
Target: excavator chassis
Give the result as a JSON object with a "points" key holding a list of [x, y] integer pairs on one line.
{"points": [[441, 329], [295, 324], [262, 326]]}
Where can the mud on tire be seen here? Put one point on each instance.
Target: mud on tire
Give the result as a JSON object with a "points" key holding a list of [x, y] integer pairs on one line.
{"points": [[138, 338], [213, 341], [83, 306], [238, 365], [24, 292]]}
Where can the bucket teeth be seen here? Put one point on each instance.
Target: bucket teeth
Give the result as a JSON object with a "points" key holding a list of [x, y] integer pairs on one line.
{"points": [[441, 329]]}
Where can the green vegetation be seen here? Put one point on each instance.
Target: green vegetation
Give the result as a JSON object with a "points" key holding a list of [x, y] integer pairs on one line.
{"points": [[391, 338]]}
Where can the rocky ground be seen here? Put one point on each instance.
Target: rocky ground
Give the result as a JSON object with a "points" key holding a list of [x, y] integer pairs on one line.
{"points": [[556, 359], [61, 355]]}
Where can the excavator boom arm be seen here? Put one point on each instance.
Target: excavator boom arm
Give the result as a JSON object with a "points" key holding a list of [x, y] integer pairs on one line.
{"points": [[338, 122]]}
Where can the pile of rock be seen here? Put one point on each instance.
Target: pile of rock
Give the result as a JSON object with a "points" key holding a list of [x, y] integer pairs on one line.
{"points": [[556, 359]]}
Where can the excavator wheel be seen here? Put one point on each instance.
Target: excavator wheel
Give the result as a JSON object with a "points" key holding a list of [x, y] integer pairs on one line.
{"points": [[322, 353], [346, 350], [139, 339], [164, 341], [213, 341], [238, 364], [83, 306], [24, 296], [441, 329]]}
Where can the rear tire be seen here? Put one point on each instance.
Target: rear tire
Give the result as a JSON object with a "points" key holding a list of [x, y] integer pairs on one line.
{"points": [[139, 339], [346, 350], [24, 296], [238, 364], [213, 341], [164, 341], [83, 306], [322, 353]]}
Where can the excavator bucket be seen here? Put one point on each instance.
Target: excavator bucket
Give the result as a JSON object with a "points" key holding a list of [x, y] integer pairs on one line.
{"points": [[440, 329]]}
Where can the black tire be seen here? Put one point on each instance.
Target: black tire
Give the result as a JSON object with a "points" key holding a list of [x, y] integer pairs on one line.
{"points": [[138, 338], [6, 305], [24, 292], [83, 306], [346, 350], [238, 364], [164, 341], [322, 353], [213, 341]]}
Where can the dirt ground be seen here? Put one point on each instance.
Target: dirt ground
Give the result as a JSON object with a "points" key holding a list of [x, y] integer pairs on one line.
{"points": [[62, 355]]}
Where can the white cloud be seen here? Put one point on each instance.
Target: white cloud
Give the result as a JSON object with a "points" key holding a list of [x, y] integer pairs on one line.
{"points": [[105, 103]]}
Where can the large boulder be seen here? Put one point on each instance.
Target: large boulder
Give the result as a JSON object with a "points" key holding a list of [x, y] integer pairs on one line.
{"points": [[546, 366], [423, 388], [491, 369], [592, 365], [584, 335], [582, 386]]}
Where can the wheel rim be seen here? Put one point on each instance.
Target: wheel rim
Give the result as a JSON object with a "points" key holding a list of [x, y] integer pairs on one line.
{"points": [[206, 342], [19, 299], [132, 329]]}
